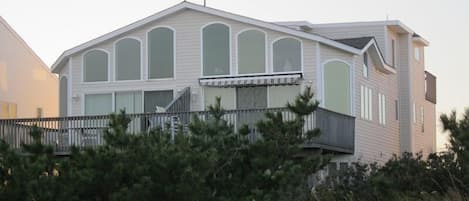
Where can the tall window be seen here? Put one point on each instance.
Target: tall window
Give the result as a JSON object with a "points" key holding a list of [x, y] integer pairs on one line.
{"points": [[63, 94], [337, 95], [251, 52], [251, 97], [365, 65], [128, 59], [154, 100], [160, 53], [382, 108], [366, 100], [279, 96], [396, 107], [98, 104], [227, 96], [414, 113], [130, 101], [417, 53], [393, 52], [216, 49], [422, 118], [95, 66], [287, 55]]}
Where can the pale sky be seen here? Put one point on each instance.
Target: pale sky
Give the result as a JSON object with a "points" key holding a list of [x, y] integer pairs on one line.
{"points": [[52, 26]]}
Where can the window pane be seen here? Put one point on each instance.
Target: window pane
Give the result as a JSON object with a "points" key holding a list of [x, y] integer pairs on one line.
{"points": [[160, 53], [365, 65], [63, 96], [216, 50], [251, 97], [130, 101], [98, 104], [128, 59], [280, 95], [287, 55], [251, 52], [95, 66], [155, 99], [227, 96], [337, 87]]}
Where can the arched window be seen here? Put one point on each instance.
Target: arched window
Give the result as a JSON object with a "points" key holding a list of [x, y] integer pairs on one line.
{"points": [[63, 94], [287, 55], [95, 65], [216, 49], [337, 94], [128, 59], [251, 52], [160, 53]]}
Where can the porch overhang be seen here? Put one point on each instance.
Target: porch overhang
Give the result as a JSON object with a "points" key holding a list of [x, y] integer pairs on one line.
{"points": [[252, 80]]}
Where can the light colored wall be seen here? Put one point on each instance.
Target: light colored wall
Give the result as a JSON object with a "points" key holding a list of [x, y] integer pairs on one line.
{"points": [[188, 26], [423, 141], [24, 79], [373, 142]]}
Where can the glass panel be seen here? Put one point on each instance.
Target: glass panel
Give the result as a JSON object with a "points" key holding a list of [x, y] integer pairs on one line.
{"points": [[160, 53], [216, 50], [279, 96], [130, 101], [365, 65], [98, 104], [287, 55], [227, 96], [337, 87], [95, 66], [128, 59], [251, 52], [63, 96], [154, 99], [251, 97]]}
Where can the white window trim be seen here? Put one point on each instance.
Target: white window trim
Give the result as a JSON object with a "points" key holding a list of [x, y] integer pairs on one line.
{"points": [[146, 75], [271, 66], [202, 50], [266, 50], [114, 49], [366, 101], [382, 108], [83, 67]]}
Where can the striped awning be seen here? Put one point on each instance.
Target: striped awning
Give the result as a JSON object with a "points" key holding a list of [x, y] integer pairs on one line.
{"points": [[282, 79]]}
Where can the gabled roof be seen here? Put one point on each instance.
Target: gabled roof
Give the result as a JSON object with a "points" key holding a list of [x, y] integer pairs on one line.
{"points": [[186, 5], [370, 44], [358, 43]]}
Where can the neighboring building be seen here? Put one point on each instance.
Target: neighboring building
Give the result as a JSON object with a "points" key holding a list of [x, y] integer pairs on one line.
{"points": [[354, 71], [27, 87]]}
